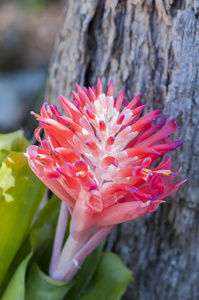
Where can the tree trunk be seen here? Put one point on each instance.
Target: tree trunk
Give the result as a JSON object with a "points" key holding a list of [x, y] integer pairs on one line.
{"points": [[150, 47]]}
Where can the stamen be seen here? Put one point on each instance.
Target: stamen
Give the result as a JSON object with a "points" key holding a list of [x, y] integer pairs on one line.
{"points": [[40, 156], [35, 115], [80, 174], [146, 172], [168, 172]]}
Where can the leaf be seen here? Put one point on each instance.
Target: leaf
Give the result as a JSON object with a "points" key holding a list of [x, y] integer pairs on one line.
{"points": [[42, 287], [110, 279], [42, 241], [16, 287], [14, 141], [49, 214], [43, 232], [85, 274], [20, 195], [42, 235], [22, 253]]}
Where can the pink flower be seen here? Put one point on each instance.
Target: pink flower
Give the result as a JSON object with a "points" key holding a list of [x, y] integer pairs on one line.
{"points": [[99, 159]]}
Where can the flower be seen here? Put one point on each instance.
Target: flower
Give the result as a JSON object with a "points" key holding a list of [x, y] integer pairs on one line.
{"points": [[99, 159]]}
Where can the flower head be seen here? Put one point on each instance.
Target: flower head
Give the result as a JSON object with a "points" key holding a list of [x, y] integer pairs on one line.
{"points": [[100, 157]]}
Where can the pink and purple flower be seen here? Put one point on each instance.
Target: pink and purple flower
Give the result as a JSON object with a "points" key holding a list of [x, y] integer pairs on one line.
{"points": [[101, 159]]}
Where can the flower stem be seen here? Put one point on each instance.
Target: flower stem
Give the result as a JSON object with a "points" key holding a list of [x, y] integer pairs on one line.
{"points": [[59, 236], [68, 264]]}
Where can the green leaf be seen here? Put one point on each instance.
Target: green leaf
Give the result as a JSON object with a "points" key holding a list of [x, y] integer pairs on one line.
{"points": [[41, 236], [14, 141], [109, 281], [49, 214], [20, 195], [16, 287], [42, 287], [43, 232], [85, 274], [22, 253], [42, 241]]}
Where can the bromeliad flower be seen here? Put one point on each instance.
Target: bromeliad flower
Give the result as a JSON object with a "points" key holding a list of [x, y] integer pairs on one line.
{"points": [[99, 159]]}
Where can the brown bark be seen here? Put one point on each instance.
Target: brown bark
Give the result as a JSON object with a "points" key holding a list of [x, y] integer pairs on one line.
{"points": [[150, 47]]}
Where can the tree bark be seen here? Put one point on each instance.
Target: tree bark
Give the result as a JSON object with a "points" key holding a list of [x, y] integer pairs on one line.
{"points": [[150, 47]]}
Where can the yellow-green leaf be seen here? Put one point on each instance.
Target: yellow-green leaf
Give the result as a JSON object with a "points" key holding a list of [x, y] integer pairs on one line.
{"points": [[20, 195], [109, 281], [16, 287], [42, 287], [14, 141]]}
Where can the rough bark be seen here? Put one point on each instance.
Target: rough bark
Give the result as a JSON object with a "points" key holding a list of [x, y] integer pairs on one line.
{"points": [[150, 47]]}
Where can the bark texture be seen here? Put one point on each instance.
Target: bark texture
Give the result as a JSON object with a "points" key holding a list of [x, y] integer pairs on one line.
{"points": [[150, 47]]}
